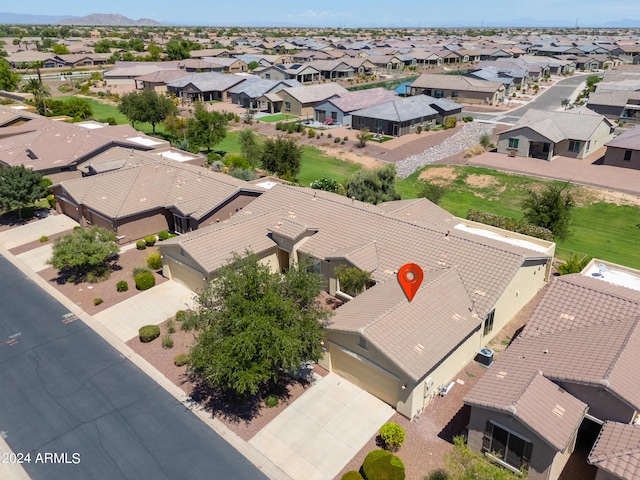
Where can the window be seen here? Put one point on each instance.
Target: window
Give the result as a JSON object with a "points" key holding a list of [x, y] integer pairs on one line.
{"points": [[287, 106], [627, 155], [362, 342], [506, 446], [360, 121], [454, 94], [438, 94], [513, 142], [488, 322], [574, 146], [588, 145], [334, 115]]}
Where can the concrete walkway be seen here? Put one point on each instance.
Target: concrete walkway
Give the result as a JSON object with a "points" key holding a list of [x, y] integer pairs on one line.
{"points": [[31, 232], [150, 307], [319, 433], [36, 259]]}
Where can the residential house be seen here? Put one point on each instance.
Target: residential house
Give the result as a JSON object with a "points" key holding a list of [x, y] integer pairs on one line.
{"points": [[475, 279], [337, 110], [141, 193], [458, 88], [259, 94], [544, 134], [158, 80], [303, 73], [623, 105], [206, 86], [301, 101], [624, 150], [333, 69], [571, 370], [404, 115], [229, 65]]}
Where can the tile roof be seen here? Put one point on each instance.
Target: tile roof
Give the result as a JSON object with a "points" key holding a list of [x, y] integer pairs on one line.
{"points": [[148, 185], [208, 81], [583, 331], [400, 110], [617, 450], [315, 93], [457, 82], [350, 101], [577, 124], [629, 140]]}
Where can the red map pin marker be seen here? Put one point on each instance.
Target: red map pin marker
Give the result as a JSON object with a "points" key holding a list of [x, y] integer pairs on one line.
{"points": [[410, 277]]}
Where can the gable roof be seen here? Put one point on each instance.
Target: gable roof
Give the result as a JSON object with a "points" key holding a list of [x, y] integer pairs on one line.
{"points": [[208, 81], [400, 110], [617, 450], [577, 124], [350, 101], [456, 82], [629, 140], [315, 93]]}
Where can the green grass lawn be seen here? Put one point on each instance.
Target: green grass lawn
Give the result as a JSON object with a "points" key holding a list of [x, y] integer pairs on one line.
{"points": [[278, 117], [316, 165]]}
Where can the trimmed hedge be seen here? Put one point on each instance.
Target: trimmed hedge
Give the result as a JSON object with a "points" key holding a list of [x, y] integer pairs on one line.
{"points": [[352, 475], [163, 235], [122, 286], [181, 359], [150, 240], [511, 224], [148, 333], [144, 281], [141, 244], [382, 465], [392, 435]]}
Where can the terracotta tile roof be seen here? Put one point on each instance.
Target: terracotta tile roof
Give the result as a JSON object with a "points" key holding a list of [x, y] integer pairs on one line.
{"points": [[289, 229], [315, 93], [365, 256], [458, 82], [617, 450], [420, 211]]}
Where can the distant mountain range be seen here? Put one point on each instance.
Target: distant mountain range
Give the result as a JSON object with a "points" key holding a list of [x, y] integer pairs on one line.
{"points": [[102, 19]]}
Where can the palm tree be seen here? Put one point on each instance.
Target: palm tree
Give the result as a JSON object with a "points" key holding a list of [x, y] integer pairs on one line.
{"points": [[39, 91]]}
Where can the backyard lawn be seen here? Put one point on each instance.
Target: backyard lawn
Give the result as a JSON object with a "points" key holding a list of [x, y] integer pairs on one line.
{"points": [[278, 117]]}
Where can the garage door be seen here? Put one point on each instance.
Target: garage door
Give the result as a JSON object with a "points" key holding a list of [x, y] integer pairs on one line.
{"points": [[361, 373], [68, 209], [184, 274]]}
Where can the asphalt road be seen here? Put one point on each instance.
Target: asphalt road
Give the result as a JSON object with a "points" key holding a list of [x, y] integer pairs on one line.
{"points": [[550, 99], [65, 392]]}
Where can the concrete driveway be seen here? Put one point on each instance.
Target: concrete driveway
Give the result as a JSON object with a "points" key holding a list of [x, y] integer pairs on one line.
{"points": [[317, 435], [150, 307], [30, 232]]}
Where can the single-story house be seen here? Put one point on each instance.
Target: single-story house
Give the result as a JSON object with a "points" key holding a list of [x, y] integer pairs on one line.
{"points": [[333, 69], [301, 101], [400, 351], [571, 370], [544, 134], [204, 86], [337, 110], [138, 194], [624, 150], [158, 80], [229, 65], [616, 104], [303, 73], [260, 94], [458, 88], [404, 115]]}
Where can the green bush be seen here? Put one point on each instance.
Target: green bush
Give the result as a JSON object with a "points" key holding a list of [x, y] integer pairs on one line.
{"points": [[97, 301], [336, 140], [311, 132], [382, 465], [352, 475], [51, 200], [271, 400], [154, 261], [345, 138], [148, 333], [44, 239], [138, 269], [141, 244], [181, 315], [236, 160], [171, 328], [575, 264], [167, 341], [163, 235], [150, 240], [145, 281], [511, 224], [122, 286], [392, 435], [450, 122], [181, 359], [438, 475]]}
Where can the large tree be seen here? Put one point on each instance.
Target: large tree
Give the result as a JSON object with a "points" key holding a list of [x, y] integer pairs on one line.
{"points": [[373, 186], [147, 106], [250, 146], [19, 187], [549, 208], [9, 80], [84, 250], [254, 325], [206, 128], [282, 156]]}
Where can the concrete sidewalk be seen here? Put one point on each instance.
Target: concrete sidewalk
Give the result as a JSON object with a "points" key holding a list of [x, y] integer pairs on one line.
{"points": [[31, 232], [150, 307], [319, 433]]}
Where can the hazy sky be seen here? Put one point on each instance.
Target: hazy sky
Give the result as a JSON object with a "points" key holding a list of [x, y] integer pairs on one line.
{"points": [[347, 13]]}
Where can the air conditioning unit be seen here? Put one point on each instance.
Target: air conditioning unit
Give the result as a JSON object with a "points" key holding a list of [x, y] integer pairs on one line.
{"points": [[485, 357]]}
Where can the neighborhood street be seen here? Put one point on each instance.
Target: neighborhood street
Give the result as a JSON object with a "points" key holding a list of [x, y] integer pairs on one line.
{"points": [[72, 407]]}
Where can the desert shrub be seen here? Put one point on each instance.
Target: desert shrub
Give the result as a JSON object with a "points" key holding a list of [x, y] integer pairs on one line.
{"points": [[352, 280], [485, 140], [181, 315], [111, 121], [44, 239], [145, 281], [326, 184], [98, 274], [163, 235], [246, 174], [97, 301], [51, 200], [171, 327], [419, 129], [167, 341], [392, 435], [279, 126], [148, 333], [511, 224], [122, 286], [311, 132], [382, 464], [342, 142], [437, 475], [181, 359], [450, 122], [352, 475], [329, 135], [336, 140], [154, 261], [431, 191], [150, 240], [271, 400], [575, 264], [138, 269], [345, 138], [71, 279], [236, 161], [141, 244]]}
